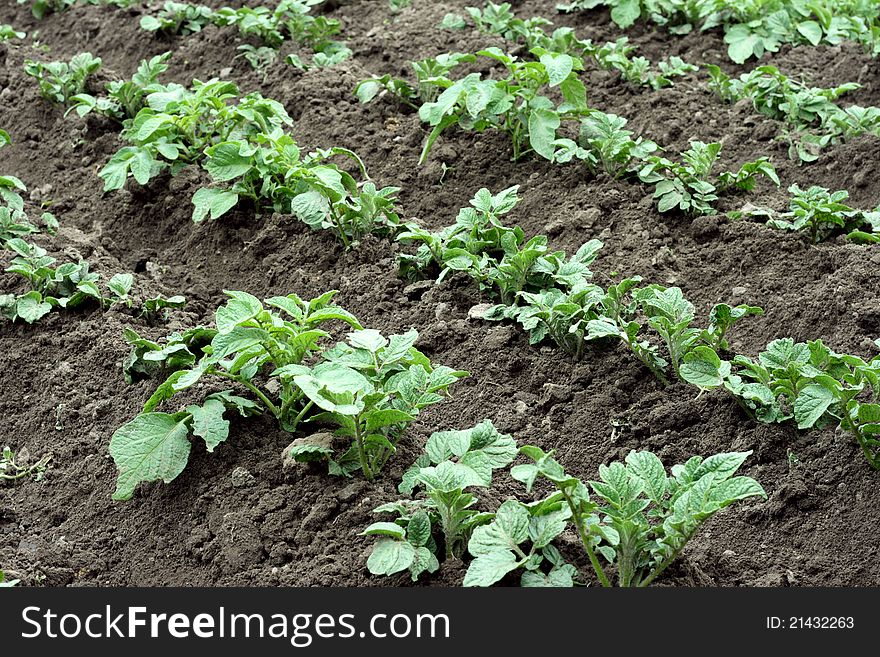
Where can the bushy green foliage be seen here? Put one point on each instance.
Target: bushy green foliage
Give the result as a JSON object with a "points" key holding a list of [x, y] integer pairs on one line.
{"points": [[454, 463], [59, 82], [370, 387], [754, 27], [821, 214], [270, 27], [68, 285], [691, 186], [812, 119]]}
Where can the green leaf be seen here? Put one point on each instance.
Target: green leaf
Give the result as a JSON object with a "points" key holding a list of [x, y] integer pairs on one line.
{"points": [[225, 161], [509, 529], [740, 49], [369, 339], [490, 568], [208, 422], [241, 308], [385, 529], [152, 446], [649, 468], [669, 201], [626, 12], [31, 307], [418, 532], [811, 404], [385, 418], [559, 67], [390, 556], [121, 284], [811, 31], [559, 577], [543, 124], [213, 202], [703, 368]]}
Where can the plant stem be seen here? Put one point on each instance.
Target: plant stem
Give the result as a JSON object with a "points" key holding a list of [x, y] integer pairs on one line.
{"points": [[300, 415], [659, 569], [582, 532], [250, 386], [362, 452]]}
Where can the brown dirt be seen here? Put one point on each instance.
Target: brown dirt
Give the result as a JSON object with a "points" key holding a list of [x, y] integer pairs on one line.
{"points": [[62, 388]]}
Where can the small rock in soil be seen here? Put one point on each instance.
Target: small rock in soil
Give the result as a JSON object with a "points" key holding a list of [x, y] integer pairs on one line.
{"points": [[479, 311], [242, 477], [351, 491], [417, 289], [555, 394], [499, 337]]}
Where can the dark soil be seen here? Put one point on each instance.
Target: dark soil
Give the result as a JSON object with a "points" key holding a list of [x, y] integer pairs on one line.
{"points": [[62, 391]]}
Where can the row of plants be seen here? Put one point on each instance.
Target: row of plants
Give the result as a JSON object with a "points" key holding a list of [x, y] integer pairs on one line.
{"points": [[754, 27], [521, 106], [42, 8], [635, 519], [49, 285], [500, 20], [553, 298], [241, 142], [810, 117], [289, 20]]}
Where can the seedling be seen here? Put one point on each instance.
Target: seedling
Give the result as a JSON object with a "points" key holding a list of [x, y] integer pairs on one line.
{"points": [[640, 523], [272, 173], [690, 186], [59, 82], [371, 388], [453, 462], [605, 144], [178, 18], [821, 214], [178, 125], [125, 98], [811, 117], [159, 306], [10, 470], [67, 286], [515, 105], [7, 33], [496, 257], [42, 8]]}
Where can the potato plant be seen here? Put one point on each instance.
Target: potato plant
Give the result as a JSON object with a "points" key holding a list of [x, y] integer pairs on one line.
{"points": [[499, 19], [453, 462], [68, 285], [691, 186], [518, 104], [125, 98], [8, 33], [820, 214], [806, 382], [498, 258], [370, 388], [269, 26], [754, 28], [635, 517], [811, 117], [59, 82]]}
